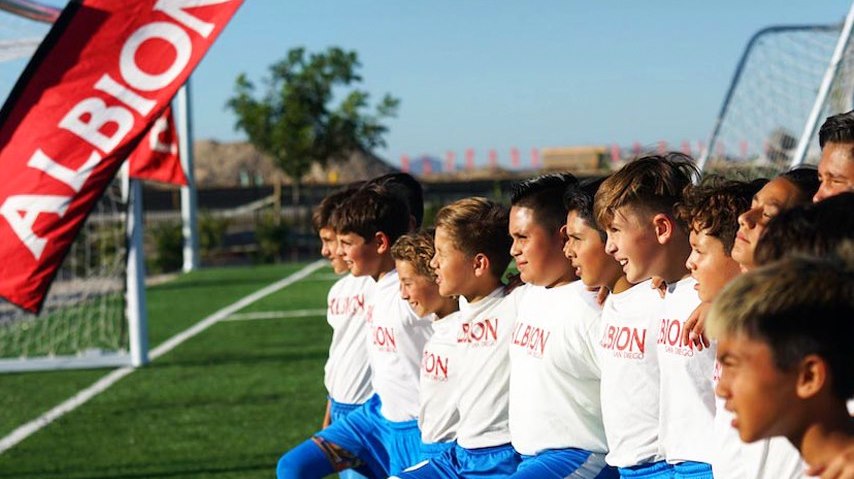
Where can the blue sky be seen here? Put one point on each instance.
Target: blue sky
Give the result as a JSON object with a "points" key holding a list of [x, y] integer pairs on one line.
{"points": [[502, 73]]}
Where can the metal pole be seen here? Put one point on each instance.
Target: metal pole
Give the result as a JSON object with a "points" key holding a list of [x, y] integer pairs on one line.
{"points": [[713, 138], [812, 122], [137, 312], [190, 228]]}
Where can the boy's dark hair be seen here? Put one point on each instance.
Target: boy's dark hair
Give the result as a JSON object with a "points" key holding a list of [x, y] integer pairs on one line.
{"points": [[798, 306], [323, 212], [714, 205], [837, 129], [652, 184], [478, 225], [542, 195], [805, 178], [418, 249], [371, 210], [579, 198], [409, 189], [813, 229]]}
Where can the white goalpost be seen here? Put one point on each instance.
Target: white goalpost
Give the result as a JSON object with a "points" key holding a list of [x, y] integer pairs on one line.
{"points": [[788, 80]]}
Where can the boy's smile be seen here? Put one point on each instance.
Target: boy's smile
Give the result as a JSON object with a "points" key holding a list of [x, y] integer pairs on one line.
{"points": [[632, 244]]}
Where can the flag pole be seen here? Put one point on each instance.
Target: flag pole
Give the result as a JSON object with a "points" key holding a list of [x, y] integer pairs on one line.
{"points": [[190, 227]]}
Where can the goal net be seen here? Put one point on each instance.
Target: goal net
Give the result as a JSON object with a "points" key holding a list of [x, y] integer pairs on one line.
{"points": [[772, 94], [83, 321]]}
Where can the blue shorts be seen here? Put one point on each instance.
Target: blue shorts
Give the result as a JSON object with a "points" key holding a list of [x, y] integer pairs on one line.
{"points": [[386, 447], [337, 412], [692, 470], [430, 450], [458, 462], [653, 470], [561, 463]]}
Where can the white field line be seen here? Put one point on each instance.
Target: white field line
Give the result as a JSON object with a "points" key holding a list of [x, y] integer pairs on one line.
{"points": [[295, 313], [26, 430]]}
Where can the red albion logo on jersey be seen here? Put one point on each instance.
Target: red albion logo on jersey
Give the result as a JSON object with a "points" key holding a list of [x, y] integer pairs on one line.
{"points": [[383, 339], [481, 332], [624, 341], [670, 336], [347, 305], [434, 366], [532, 338]]}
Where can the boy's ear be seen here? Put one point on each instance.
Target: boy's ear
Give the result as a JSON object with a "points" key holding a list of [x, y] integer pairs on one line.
{"points": [[481, 265], [382, 242], [812, 376], [664, 227]]}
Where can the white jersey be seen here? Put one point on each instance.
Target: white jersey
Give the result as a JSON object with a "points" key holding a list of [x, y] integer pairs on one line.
{"points": [[396, 338], [554, 376], [487, 326], [630, 376], [440, 370], [773, 458], [347, 372], [687, 392]]}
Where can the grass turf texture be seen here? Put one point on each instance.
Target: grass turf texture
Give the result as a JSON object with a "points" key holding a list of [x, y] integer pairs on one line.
{"points": [[224, 404]]}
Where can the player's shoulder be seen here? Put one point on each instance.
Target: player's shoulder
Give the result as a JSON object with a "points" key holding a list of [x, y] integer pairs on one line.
{"points": [[640, 297]]}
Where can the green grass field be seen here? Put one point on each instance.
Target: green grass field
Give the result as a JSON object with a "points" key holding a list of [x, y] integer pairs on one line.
{"points": [[224, 404]]}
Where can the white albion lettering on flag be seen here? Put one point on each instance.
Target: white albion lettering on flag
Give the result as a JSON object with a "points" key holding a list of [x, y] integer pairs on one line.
{"points": [[102, 76], [156, 157]]}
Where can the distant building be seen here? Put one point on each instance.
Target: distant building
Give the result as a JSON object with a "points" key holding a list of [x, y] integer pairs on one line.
{"points": [[239, 164], [575, 158]]}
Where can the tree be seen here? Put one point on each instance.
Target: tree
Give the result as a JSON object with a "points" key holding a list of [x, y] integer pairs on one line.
{"points": [[292, 120]]}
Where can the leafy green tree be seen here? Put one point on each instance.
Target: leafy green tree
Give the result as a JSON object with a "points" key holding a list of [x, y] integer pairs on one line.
{"points": [[292, 119]]}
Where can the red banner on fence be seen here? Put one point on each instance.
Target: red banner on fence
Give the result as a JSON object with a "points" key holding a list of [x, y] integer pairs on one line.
{"points": [[156, 158], [103, 74]]}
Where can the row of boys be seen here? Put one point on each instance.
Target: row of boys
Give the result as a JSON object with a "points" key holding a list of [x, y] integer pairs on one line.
{"points": [[438, 369]]}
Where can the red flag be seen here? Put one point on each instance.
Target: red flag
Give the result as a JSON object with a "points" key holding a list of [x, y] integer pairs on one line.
{"points": [[616, 156], [535, 158], [426, 166], [686, 147], [470, 159], [515, 159], [450, 161], [493, 159], [102, 75], [156, 157], [404, 163]]}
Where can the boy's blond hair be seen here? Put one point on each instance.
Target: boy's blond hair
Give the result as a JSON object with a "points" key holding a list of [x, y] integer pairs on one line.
{"points": [[798, 306], [650, 184], [417, 249], [478, 225]]}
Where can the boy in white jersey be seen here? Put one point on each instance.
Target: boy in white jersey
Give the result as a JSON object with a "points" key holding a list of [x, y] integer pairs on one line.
{"points": [[784, 333], [382, 436], [440, 363], [472, 252], [711, 211], [347, 371], [648, 239], [585, 241], [629, 371], [555, 414]]}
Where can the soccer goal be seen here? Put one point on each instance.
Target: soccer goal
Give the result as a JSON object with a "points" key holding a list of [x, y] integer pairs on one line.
{"points": [[91, 316], [789, 79]]}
